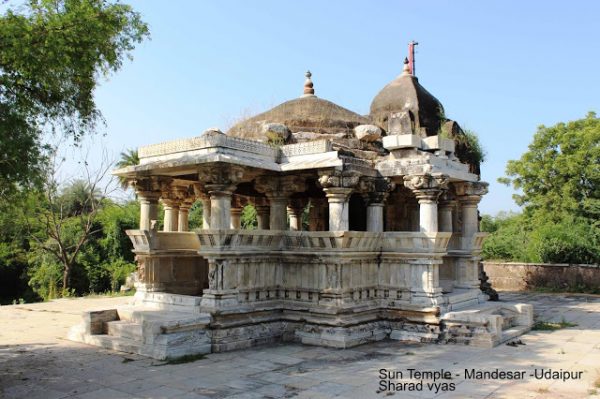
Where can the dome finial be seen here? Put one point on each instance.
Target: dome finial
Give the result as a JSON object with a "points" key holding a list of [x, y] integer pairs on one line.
{"points": [[406, 68], [308, 85]]}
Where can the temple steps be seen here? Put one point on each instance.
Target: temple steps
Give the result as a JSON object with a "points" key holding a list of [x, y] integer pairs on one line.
{"points": [[160, 334], [125, 329]]}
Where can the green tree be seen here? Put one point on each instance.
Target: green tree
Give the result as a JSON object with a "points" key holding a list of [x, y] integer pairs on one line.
{"points": [[560, 173], [52, 53], [558, 180]]}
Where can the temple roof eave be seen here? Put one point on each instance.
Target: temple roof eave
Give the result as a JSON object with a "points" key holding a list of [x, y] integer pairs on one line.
{"points": [[184, 164]]}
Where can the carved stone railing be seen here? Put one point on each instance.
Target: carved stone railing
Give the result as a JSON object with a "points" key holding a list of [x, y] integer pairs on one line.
{"points": [[141, 240], [459, 243], [145, 241], [249, 241], [417, 242], [208, 141], [269, 240], [308, 148]]}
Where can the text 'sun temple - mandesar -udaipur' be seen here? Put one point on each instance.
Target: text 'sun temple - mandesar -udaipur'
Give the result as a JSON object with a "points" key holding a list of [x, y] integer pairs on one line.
{"points": [[368, 229]]}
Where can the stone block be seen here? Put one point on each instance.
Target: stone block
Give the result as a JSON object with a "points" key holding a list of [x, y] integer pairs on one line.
{"points": [[438, 143], [399, 141], [367, 133]]}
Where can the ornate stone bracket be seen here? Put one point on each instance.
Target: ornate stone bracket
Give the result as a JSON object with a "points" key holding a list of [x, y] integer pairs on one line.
{"points": [[224, 174], [375, 190], [274, 186], [471, 192], [427, 188], [329, 179], [278, 191]]}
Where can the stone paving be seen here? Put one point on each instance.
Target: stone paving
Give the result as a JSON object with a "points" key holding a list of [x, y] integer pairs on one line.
{"points": [[37, 362]]}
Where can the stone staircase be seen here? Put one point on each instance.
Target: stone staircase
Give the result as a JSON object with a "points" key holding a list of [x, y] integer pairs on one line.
{"points": [[145, 330]]}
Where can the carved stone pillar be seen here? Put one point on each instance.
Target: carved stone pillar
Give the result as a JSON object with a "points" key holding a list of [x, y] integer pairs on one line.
{"points": [[469, 194], [467, 268], [148, 194], [338, 208], [445, 212], [220, 205], [338, 187], [294, 211], [171, 208], [317, 214], [186, 197], [220, 184], [375, 192], [202, 194], [236, 218], [375, 217], [262, 217], [427, 189], [278, 191], [183, 217]]}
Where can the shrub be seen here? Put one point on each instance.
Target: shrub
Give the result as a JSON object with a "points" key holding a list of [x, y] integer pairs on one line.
{"points": [[119, 270]]}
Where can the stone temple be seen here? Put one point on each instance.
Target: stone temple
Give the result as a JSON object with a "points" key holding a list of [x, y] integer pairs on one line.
{"points": [[367, 229]]}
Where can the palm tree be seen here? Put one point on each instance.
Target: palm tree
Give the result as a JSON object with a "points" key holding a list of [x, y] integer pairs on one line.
{"points": [[129, 157], [79, 198]]}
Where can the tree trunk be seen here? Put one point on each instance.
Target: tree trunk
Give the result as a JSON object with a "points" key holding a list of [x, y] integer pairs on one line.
{"points": [[66, 276]]}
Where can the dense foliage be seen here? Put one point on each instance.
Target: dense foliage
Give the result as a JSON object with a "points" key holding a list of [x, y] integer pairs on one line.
{"points": [[30, 272], [52, 53], [559, 183]]}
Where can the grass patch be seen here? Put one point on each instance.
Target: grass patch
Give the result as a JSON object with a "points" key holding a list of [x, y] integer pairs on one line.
{"points": [[597, 381], [409, 353], [543, 390], [542, 325], [183, 359]]}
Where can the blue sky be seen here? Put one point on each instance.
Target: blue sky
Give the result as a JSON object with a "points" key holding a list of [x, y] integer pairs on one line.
{"points": [[500, 68]]}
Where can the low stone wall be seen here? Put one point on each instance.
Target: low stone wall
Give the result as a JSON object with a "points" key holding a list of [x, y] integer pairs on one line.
{"points": [[510, 276]]}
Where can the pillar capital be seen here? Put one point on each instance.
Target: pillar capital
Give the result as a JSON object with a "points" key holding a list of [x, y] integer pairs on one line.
{"points": [[470, 193], [334, 178], [221, 173], [447, 200], [375, 190], [427, 188], [146, 188], [337, 194], [279, 187], [220, 190]]}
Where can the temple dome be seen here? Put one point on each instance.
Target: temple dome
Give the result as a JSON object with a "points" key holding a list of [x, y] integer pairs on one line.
{"points": [[405, 94], [308, 113]]}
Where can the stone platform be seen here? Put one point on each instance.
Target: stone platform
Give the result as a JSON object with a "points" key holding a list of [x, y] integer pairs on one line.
{"points": [[161, 326], [37, 362]]}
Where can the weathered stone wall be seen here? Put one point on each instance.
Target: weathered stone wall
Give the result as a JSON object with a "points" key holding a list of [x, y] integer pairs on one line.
{"points": [[523, 276]]}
